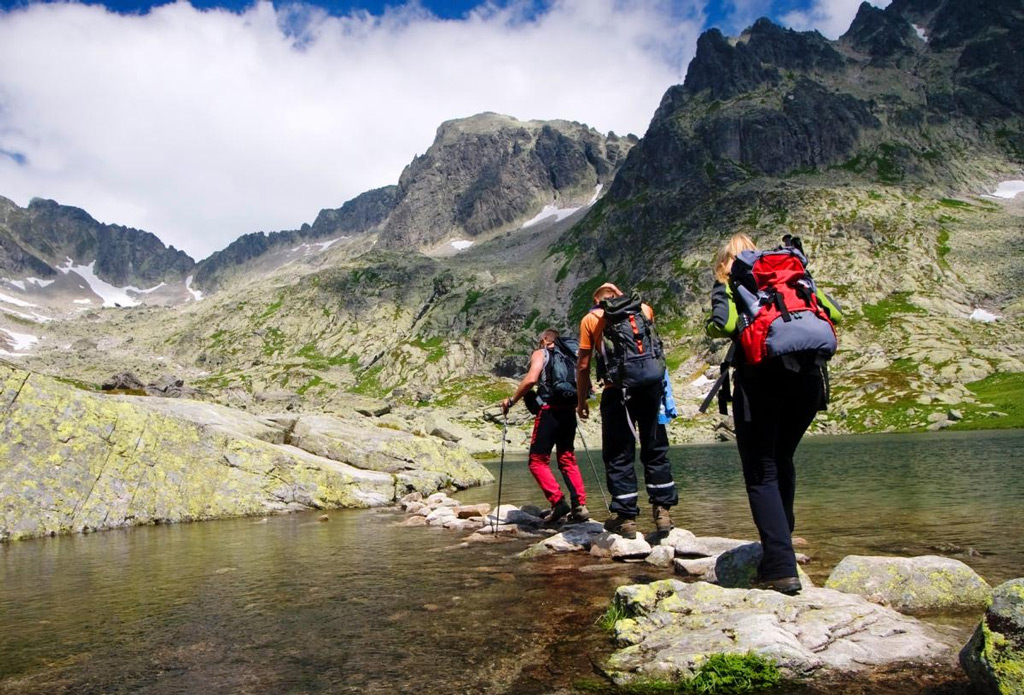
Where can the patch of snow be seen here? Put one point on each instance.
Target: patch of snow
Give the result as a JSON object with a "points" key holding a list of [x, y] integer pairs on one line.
{"points": [[328, 244], [15, 301], [921, 32], [983, 316], [82, 301], [196, 294], [111, 296], [597, 192], [702, 381], [462, 244], [22, 341], [21, 284], [550, 211], [323, 246], [1008, 189]]}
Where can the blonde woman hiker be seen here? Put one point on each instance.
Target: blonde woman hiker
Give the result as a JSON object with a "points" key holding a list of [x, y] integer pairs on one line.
{"points": [[782, 327]]}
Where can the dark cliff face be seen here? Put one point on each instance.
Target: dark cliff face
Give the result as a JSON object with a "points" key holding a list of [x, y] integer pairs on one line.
{"points": [[45, 234], [882, 35], [489, 171], [362, 213], [357, 216]]}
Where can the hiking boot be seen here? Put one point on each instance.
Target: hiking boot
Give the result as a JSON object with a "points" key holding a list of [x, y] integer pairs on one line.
{"points": [[579, 514], [784, 585], [662, 519], [559, 510], [624, 526]]}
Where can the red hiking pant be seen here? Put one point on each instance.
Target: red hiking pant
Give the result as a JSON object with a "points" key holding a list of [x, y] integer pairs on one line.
{"points": [[556, 428]]}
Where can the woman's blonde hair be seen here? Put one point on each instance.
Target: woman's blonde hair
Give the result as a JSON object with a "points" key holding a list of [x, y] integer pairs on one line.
{"points": [[727, 254]]}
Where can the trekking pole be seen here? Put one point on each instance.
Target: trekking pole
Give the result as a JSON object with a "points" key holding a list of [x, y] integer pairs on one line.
{"points": [[501, 472], [579, 430]]}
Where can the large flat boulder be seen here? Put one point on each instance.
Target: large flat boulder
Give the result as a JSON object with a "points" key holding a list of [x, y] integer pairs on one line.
{"points": [[913, 585], [366, 446], [672, 626], [73, 460]]}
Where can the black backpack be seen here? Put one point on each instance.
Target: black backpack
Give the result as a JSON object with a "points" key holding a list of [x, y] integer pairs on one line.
{"points": [[558, 380], [632, 351]]}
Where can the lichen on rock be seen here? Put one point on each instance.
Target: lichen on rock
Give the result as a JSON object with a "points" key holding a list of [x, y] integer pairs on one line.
{"points": [[72, 460], [994, 657], [914, 585]]}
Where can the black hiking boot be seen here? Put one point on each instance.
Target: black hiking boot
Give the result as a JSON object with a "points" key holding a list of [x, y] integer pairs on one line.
{"points": [[556, 515], [624, 526]]}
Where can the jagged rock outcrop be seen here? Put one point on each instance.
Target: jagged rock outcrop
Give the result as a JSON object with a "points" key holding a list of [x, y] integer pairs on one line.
{"points": [[882, 35], [489, 171], [74, 461], [49, 233]]}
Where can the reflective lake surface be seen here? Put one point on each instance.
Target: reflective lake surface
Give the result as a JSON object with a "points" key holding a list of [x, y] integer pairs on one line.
{"points": [[359, 604]]}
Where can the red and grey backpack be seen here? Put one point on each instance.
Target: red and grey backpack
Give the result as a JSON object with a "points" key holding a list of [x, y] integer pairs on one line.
{"points": [[779, 309], [781, 318]]}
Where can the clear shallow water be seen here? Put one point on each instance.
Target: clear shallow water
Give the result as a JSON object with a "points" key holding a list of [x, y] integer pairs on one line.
{"points": [[360, 605]]}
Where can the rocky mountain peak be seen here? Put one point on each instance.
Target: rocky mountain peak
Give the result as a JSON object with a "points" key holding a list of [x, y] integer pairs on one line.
{"points": [[490, 171], [880, 34], [728, 68]]}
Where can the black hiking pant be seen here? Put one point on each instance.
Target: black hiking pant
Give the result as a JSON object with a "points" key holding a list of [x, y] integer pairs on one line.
{"points": [[773, 407], [618, 449]]}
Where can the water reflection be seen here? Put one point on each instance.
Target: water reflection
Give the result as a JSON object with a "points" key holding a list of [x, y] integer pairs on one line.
{"points": [[359, 604]]}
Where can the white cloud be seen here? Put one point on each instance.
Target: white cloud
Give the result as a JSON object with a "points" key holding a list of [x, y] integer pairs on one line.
{"points": [[831, 17], [200, 126]]}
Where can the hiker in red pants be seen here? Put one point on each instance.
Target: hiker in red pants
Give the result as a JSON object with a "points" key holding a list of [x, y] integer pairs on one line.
{"points": [[553, 371]]}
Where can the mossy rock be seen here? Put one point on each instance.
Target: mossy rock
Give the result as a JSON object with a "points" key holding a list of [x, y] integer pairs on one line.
{"points": [[994, 657], [921, 585]]}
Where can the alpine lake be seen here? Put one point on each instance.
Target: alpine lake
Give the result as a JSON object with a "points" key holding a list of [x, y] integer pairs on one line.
{"points": [[359, 604]]}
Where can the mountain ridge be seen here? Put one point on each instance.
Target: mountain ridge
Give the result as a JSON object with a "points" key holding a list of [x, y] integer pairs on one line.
{"points": [[876, 149]]}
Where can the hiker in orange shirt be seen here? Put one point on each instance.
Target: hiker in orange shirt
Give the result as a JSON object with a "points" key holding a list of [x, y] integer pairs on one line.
{"points": [[619, 331]]}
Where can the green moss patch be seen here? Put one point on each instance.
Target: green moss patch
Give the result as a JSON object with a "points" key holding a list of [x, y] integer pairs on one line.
{"points": [[1005, 394], [879, 315], [719, 674]]}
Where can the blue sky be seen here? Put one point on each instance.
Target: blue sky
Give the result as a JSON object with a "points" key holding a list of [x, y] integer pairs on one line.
{"points": [[202, 122]]}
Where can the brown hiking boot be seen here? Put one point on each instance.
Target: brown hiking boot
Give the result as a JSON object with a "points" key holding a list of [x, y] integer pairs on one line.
{"points": [[579, 514], [624, 526], [662, 519]]}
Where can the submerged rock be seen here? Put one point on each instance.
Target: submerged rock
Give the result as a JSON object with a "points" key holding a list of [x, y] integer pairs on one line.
{"points": [[994, 657], [672, 626], [913, 585]]}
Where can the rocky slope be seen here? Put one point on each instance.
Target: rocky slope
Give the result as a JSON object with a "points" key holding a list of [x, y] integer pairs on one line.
{"points": [[259, 253]]}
